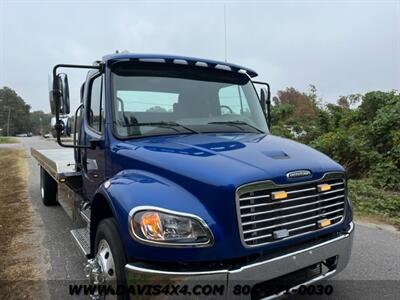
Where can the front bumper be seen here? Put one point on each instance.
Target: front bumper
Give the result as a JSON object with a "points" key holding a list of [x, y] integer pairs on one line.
{"points": [[339, 247]]}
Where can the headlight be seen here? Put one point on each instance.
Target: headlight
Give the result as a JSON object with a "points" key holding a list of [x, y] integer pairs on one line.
{"points": [[163, 227]]}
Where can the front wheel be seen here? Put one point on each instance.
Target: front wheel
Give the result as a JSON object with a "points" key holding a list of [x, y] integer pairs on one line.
{"points": [[48, 188], [110, 256]]}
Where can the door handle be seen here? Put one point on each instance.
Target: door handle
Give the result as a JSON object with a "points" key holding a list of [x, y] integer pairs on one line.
{"points": [[94, 143]]}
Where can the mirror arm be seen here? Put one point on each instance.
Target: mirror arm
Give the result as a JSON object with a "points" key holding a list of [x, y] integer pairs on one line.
{"points": [[76, 122], [59, 127], [57, 93]]}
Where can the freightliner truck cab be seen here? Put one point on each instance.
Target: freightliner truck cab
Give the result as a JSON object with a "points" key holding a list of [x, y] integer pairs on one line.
{"points": [[173, 178]]}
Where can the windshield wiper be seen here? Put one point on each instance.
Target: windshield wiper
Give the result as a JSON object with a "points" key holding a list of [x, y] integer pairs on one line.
{"points": [[237, 124], [162, 124]]}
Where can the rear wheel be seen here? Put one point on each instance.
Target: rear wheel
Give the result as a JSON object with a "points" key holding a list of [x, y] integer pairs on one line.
{"points": [[48, 188], [110, 256]]}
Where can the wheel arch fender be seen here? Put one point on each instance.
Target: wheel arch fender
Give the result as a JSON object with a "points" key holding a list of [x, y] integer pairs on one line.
{"points": [[101, 208], [132, 188]]}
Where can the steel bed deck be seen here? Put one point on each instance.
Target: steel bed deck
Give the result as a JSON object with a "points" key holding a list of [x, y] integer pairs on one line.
{"points": [[59, 163]]}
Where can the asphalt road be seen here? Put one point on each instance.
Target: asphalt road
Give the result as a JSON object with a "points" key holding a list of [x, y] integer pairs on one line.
{"points": [[373, 271], [65, 262]]}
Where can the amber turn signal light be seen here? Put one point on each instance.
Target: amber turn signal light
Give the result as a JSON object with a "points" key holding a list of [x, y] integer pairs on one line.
{"points": [[150, 224], [279, 195], [324, 187], [323, 223]]}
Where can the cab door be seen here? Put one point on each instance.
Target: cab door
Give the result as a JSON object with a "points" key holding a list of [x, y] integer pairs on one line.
{"points": [[93, 159]]}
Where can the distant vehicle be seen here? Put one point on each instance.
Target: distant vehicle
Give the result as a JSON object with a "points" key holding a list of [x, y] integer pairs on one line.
{"points": [[47, 135], [22, 135], [173, 176], [29, 134]]}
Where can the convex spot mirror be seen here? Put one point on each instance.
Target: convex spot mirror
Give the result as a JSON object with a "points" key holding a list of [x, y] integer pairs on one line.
{"points": [[60, 95], [66, 123]]}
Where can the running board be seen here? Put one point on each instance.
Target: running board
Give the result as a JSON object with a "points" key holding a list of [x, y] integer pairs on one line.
{"points": [[82, 238]]}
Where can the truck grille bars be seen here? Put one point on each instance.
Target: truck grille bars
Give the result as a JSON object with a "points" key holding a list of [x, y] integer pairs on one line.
{"points": [[269, 212]]}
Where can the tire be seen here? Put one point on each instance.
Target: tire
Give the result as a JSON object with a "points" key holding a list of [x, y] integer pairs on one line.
{"points": [[107, 231], [48, 188]]}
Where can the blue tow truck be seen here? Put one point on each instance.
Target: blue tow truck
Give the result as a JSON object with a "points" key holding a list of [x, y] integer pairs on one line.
{"points": [[173, 180]]}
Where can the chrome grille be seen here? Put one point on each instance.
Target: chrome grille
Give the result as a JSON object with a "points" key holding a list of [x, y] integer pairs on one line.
{"points": [[261, 217]]}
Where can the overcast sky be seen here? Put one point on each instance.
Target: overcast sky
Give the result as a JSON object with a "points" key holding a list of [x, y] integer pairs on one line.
{"points": [[341, 47]]}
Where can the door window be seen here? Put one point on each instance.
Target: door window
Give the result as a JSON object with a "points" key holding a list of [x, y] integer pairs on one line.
{"points": [[96, 111]]}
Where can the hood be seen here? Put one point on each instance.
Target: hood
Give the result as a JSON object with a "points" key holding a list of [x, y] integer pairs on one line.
{"points": [[199, 174], [226, 159]]}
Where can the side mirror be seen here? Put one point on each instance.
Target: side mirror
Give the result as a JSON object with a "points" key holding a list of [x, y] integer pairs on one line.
{"points": [[59, 95], [265, 99]]}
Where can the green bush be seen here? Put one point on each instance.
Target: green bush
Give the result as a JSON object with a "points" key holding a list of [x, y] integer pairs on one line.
{"points": [[364, 139], [386, 175], [7, 140], [367, 199]]}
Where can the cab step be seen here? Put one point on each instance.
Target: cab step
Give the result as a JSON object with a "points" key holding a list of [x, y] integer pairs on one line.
{"points": [[85, 214], [82, 238]]}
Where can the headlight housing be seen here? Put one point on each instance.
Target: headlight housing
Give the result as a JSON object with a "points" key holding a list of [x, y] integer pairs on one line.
{"points": [[168, 228]]}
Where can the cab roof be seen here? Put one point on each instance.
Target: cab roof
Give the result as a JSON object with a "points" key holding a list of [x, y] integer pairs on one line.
{"points": [[180, 60]]}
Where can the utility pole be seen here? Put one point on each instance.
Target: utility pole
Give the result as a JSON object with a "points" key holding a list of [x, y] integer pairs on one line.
{"points": [[41, 128], [8, 121]]}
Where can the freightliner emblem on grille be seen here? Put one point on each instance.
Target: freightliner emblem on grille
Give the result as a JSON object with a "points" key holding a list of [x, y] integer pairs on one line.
{"points": [[298, 173]]}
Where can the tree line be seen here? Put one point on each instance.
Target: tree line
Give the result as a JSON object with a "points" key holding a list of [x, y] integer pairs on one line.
{"points": [[16, 116]]}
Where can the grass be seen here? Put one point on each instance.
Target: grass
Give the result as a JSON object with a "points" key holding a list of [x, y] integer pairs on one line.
{"points": [[8, 140], [12, 202], [19, 272], [371, 202]]}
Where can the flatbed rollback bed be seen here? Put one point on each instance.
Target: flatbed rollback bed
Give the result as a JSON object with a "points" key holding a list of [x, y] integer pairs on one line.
{"points": [[58, 170]]}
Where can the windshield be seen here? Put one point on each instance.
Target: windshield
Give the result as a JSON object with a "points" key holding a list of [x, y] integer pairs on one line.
{"points": [[151, 105]]}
